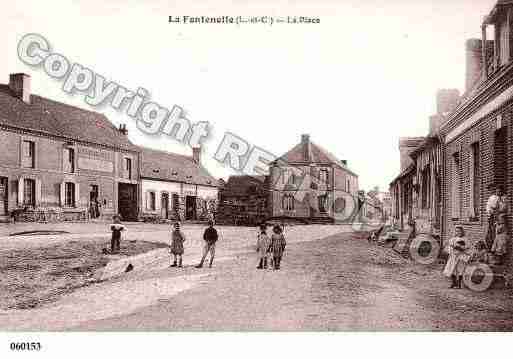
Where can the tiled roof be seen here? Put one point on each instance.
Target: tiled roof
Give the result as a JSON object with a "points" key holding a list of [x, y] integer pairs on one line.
{"points": [[316, 154], [58, 119], [172, 167], [245, 185]]}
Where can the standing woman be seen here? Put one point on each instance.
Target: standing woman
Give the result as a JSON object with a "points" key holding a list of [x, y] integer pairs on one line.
{"points": [[459, 251], [177, 239], [278, 244]]}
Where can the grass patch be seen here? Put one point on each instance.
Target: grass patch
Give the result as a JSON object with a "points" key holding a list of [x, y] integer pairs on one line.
{"points": [[32, 277]]}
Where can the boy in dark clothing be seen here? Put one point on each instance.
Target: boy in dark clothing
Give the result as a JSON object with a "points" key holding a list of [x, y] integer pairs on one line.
{"points": [[116, 227], [210, 237]]}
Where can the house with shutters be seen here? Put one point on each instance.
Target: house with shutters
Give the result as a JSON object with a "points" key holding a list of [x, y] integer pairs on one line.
{"points": [[311, 184], [176, 187], [62, 161]]}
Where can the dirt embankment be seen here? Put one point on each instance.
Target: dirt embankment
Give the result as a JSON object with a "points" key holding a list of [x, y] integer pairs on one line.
{"points": [[32, 277]]}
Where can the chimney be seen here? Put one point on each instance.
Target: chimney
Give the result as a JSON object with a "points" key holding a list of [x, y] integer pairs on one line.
{"points": [[20, 84], [474, 61], [446, 100], [122, 129], [196, 155], [305, 140], [434, 124], [406, 146]]}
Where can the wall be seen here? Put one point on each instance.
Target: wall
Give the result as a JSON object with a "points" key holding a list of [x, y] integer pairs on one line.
{"points": [[484, 130], [99, 168]]}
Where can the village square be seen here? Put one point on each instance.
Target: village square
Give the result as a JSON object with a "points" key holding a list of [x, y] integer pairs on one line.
{"points": [[100, 233]]}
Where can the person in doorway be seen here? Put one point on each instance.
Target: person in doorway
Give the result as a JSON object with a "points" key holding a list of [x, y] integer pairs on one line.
{"points": [[458, 248], [278, 244], [177, 239], [263, 243], [210, 237], [117, 228], [495, 206], [500, 243]]}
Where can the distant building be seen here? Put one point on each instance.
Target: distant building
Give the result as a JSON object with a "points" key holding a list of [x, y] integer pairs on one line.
{"points": [[176, 187], [402, 187], [244, 200], [310, 183]]}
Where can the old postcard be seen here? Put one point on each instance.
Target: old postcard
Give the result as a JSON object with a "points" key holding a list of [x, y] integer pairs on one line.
{"points": [[255, 166]]}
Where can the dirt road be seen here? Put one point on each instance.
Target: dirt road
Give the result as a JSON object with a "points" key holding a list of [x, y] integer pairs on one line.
{"points": [[337, 283]]}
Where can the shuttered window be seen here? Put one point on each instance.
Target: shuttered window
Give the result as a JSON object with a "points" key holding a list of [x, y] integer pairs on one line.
{"points": [[28, 149]]}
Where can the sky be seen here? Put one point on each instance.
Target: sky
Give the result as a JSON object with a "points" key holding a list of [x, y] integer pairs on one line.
{"points": [[356, 82]]}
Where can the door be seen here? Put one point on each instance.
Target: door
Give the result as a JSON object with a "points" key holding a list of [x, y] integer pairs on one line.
{"points": [[127, 201], [164, 205], [3, 196], [190, 207], [94, 205]]}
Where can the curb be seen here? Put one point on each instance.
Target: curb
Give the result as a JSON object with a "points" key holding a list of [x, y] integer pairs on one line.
{"points": [[120, 266]]}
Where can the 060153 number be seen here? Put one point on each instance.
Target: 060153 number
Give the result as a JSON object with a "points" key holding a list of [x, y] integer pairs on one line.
{"points": [[26, 346]]}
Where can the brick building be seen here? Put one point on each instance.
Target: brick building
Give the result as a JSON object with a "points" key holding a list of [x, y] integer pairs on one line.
{"points": [[402, 187], [176, 187], [62, 161], [310, 183], [244, 200], [478, 133]]}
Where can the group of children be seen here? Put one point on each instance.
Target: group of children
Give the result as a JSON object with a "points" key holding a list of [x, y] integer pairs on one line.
{"points": [[270, 249], [461, 252]]}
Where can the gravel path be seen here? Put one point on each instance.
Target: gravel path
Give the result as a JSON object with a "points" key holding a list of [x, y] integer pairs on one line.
{"points": [[337, 283]]}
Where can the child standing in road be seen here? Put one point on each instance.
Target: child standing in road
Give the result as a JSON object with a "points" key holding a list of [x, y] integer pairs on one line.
{"points": [[278, 244], [117, 228], [177, 239], [458, 249], [263, 243]]}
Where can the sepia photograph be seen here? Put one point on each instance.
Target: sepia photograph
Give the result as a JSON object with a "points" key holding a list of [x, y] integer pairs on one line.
{"points": [[170, 169]]}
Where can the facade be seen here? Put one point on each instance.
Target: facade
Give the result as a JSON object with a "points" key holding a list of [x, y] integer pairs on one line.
{"points": [[62, 162], [402, 187], [478, 133], [176, 187], [311, 184], [244, 200]]}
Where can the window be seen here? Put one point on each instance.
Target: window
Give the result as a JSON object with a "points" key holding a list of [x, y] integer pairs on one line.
{"points": [[29, 192], [69, 160], [475, 175], [324, 176], [151, 201], [69, 194], [288, 202], [348, 186], [27, 154], [323, 203], [455, 187], [128, 168], [426, 188]]}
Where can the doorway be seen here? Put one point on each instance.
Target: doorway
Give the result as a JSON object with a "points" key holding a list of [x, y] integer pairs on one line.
{"points": [[94, 204], [3, 196], [190, 207], [164, 205], [127, 201]]}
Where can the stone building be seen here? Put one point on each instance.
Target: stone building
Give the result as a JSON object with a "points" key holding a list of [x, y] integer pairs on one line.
{"points": [[311, 184], [62, 162], [477, 135], [176, 187], [244, 200]]}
